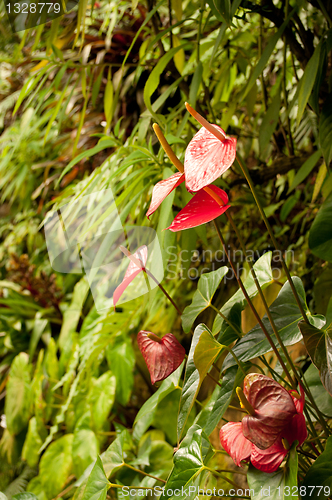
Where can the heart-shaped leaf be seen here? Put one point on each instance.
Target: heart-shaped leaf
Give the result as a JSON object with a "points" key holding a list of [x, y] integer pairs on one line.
{"points": [[318, 343], [207, 158], [202, 208], [318, 480], [162, 356], [274, 409], [163, 189]]}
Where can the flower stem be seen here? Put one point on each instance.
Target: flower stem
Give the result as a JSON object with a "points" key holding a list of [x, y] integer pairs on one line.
{"points": [[145, 473], [163, 290]]}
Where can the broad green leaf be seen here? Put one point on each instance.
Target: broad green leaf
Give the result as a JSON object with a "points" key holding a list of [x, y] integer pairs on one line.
{"points": [[322, 399], [202, 299], [101, 398], [56, 465], [85, 445], [221, 9], [320, 236], [305, 169], [307, 82], [192, 379], [319, 474], [18, 402], [121, 360], [72, 315], [318, 343], [286, 315], [269, 122], [289, 205], [154, 77], [264, 275], [224, 395], [113, 457], [32, 444], [206, 352], [275, 485], [188, 464], [325, 130], [97, 484], [165, 415]]}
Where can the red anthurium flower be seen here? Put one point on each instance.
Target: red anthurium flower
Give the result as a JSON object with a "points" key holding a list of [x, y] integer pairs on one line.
{"points": [[202, 208], [273, 409], [136, 265], [162, 356], [240, 448], [207, 158], [163, 189]]}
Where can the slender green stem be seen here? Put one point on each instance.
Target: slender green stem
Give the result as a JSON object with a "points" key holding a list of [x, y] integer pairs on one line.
{"points": [[214, 380], [145, 473], [238, 362], [224, 318], [268, 227], [163, 290], [251, 305], [215, 473]]}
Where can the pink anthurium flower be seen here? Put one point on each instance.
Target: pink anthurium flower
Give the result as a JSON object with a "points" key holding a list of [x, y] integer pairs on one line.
{"points": [[136, 265], [163, 189], [268, 460], [162, 355], [273, 408], [202, 208], [207, 158]]}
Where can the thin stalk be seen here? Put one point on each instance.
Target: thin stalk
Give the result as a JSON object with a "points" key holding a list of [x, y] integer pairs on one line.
{"points": [[163, 290], [252, 307], [262, 297], [145, 473], [215, 473], [224, 318], [214, 379]]}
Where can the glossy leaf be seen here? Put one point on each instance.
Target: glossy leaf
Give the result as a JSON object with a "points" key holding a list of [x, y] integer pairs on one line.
{"points": [[121, 359], [18, 403], [322, 398], [192, 379], [163, 189], [112, 458], [319, 475], [307, 81], [264, 275], [202, 299], [320, 236], [97, 484], [162, 356], [101, 399], [32, 444], [202, 208], [207, 158], [271, 486], [56, 465], [206, 352], [318, 343], [286, 315], [85, 445]]}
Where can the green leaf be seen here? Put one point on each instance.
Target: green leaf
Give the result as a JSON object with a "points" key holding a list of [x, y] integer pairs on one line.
{"points": [[322, 399], [196, 82], [224, 395], [271, 486], [97, 485], [202, 299], [32, 444], [286, 315], [320, 236], [307, 82], [113, 458], [72, 315], [318, 343], [85, 445], [289, 205], [188, 463], [264, 275], [153, 81], [319, 474], [108, 100], [221, 9], [56, 465], [192, 379], [305, 169], [325, 130], [269, 122], [206, 352], [121, 360], [18, 403], [101, 399]]}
